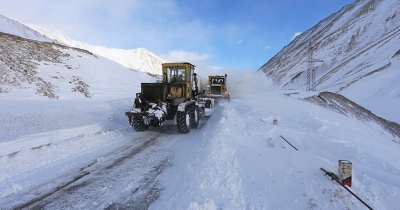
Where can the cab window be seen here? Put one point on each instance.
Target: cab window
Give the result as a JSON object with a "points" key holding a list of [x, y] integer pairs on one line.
{"points": [[190, 73], [175, 73]]}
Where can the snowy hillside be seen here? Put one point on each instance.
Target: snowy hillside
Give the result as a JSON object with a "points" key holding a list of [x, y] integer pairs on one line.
{"points": [[360, 53], [32, 69], [13, 27], [35, 67], [139, 59]]}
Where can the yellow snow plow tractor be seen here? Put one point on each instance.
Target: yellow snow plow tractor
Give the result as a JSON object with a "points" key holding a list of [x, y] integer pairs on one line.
{"points": [[174, 98], [217, 88]]}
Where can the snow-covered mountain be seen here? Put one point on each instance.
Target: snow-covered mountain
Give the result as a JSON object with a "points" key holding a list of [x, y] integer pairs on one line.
{"points": [[356, 53], [13, 27], [139, 59], [35, 67]]}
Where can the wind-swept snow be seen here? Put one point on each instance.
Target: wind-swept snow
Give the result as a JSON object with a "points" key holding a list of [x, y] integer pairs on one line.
{"points": [[240, 161], [237, 160]]}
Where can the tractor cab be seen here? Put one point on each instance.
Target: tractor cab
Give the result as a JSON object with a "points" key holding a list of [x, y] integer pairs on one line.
{"points": [[175, 98], [178, 72]]}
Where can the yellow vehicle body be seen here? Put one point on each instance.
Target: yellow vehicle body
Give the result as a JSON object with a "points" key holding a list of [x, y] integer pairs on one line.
{"points": [[217, 87], [181, 79], [173, 98]]}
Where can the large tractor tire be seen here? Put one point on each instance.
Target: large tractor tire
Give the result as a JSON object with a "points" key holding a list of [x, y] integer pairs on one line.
{"points": [[208, 103], [138, 124], [194, 117], [201, 112], [183, 121]]}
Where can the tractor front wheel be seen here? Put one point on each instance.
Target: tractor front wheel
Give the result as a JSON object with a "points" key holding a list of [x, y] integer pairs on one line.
{"points": [[138, 124], [183, 121]]}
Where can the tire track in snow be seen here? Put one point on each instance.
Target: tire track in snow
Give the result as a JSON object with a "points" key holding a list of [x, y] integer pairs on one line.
{"points": [[47, 195]]}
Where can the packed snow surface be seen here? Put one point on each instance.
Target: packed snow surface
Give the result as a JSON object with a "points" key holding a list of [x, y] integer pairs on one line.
{"points": [[237, 160]]}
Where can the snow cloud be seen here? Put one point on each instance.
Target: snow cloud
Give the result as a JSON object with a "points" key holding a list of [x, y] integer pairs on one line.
{"points": [[249, 82], [295, 35]]}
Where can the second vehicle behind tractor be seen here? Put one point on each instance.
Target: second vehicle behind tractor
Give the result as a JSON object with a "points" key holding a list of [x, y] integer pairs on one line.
{"points": [[217, 88]]}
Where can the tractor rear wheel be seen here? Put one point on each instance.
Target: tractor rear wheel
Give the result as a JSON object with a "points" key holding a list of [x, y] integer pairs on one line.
{"points": [[183, 121], [138, 124]]}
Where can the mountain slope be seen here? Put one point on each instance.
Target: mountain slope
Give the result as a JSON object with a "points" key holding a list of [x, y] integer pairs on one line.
{"points": [[13, 27], [360, 52], [139, 59], [32, 69], [33, 66]]}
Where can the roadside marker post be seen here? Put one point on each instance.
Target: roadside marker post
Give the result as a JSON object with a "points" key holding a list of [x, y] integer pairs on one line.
{"points": [[345, 170]]}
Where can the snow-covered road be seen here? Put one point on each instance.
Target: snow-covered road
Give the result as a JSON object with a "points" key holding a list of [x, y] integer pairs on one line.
{"points": [[237, 160], [86, 168]]}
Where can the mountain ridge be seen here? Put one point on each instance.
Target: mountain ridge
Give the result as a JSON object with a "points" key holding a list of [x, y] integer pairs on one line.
{"points": [[356, 44], [16, 28], [35, 67], [139, 59]]}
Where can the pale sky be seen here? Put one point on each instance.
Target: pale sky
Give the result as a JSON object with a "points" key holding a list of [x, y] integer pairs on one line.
{"points": [[240, 34]]}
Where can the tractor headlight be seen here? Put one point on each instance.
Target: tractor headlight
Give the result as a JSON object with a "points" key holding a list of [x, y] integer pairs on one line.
{"points": [[169, 95]]}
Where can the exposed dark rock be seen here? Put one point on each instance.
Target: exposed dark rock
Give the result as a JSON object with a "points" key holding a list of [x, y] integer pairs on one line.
{"points": [[342, 105]]}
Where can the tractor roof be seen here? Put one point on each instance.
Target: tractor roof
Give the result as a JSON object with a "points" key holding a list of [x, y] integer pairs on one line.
{"points": [[178, 63]]}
